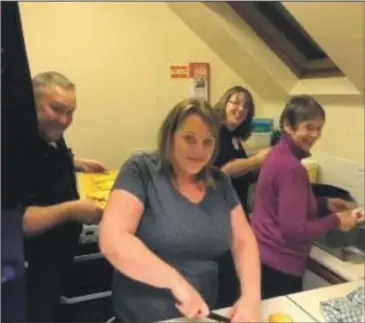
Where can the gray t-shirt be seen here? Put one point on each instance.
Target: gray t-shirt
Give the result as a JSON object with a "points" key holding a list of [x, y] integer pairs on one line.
{"points": [[187, 236]]}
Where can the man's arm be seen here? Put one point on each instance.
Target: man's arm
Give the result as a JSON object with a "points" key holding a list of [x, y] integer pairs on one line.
{"points": [[78, 166], [38, 219], [88, 165]]}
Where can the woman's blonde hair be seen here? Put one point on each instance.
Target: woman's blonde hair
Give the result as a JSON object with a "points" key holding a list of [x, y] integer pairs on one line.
{"points": [[171, 124]]}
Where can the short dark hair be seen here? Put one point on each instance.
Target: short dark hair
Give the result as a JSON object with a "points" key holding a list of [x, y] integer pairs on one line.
{"points": [[244, 130], [301, 108]]}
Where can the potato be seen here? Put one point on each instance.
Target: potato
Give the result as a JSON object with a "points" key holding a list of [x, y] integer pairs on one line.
{"points": [[358, 214], [280, 318]]}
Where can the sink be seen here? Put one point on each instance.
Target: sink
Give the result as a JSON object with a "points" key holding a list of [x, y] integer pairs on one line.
{"points": [[350, 254], [346, 246]]}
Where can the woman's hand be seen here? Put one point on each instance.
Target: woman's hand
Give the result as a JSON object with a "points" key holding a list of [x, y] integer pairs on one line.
{"points": [[339, 205], [245, 310], [347, 220], [189, 302], [359, 215]]}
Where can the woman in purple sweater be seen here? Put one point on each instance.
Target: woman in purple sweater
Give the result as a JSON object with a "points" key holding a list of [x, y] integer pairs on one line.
{"points": [[285, 218]]}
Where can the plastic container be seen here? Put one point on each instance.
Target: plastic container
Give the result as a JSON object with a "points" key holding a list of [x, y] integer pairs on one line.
{"points": [[275, 137], [312, 169], [258, 140], [262, 125]]}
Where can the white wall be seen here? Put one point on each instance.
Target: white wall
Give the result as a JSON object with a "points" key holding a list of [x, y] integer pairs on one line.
{"points": [[118, 54], [343, 134]]}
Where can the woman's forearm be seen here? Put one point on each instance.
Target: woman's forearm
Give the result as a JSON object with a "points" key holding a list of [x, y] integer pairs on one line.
{"points": [[241, 166], [131, 257], [247, 263]]}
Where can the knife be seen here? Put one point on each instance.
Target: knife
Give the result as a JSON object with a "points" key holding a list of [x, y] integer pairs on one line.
{"points": [[218, 317]]}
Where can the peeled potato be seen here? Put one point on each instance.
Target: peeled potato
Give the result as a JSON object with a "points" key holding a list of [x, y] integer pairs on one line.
{"points": [[280, 318], [358, 214]]}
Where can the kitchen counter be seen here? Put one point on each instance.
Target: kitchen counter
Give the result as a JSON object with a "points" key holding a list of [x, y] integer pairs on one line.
{"points": [[310, 300], [345, 270], [278, 304], [301, 307]]}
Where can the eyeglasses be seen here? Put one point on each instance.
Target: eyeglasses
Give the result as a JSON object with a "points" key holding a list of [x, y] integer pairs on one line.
{"points": [[239, 104]]}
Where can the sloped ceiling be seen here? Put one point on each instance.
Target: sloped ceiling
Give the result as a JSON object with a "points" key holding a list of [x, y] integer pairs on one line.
{"points": [[337, 27], [232, 39]]}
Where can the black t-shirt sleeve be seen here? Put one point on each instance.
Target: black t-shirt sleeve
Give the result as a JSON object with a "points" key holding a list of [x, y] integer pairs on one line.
{"points": [[227, 152], [224, 154], [222, 158]]}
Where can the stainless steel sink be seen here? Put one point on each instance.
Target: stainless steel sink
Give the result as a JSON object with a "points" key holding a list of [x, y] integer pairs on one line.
{"points": [[346, 246], [350, 253]]}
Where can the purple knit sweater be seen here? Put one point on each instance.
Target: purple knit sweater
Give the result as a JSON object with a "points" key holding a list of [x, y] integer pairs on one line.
{"points": [[285, 217]]}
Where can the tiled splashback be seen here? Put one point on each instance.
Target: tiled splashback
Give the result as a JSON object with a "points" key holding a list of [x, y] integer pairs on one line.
{"points": [[343, 173]]}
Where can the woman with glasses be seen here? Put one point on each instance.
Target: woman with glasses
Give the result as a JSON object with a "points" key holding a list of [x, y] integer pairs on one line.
{"points": [[237, 109]]}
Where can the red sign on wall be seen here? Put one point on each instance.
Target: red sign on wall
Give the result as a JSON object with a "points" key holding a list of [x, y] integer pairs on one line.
{"points": [[179, 71]]}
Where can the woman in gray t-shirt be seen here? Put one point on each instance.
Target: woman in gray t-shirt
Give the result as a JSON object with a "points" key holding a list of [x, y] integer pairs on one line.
{"points": [[169, 215]]}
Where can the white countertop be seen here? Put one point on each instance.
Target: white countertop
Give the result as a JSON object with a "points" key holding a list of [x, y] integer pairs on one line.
{"points": [[346, 270], [310, 300], [274, 305], [301, 307]]}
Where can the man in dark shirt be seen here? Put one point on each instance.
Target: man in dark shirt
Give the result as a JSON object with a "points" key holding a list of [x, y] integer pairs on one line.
{"points": [[54, 215]]}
